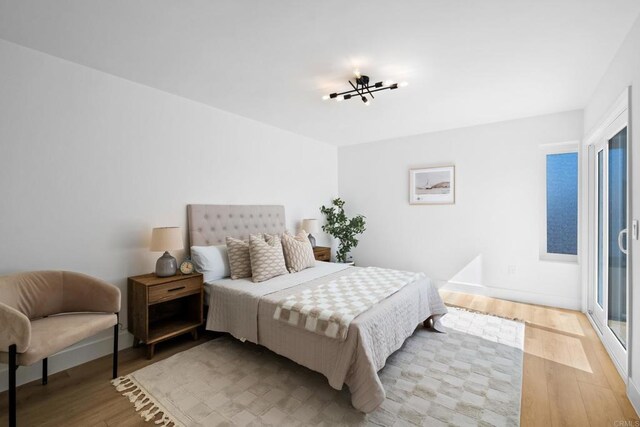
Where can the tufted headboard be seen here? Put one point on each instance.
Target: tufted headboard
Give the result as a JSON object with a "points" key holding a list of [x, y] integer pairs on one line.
{"points": [[211, 224]]}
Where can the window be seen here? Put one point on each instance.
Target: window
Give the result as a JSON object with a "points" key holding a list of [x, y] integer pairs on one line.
{"points": [[560, 222]]}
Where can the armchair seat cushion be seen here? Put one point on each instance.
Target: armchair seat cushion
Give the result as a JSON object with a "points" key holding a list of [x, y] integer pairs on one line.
{"points": [[51, 334]]}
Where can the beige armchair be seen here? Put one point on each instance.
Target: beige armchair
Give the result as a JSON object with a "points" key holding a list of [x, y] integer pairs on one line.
{"points": [[44, 312]]}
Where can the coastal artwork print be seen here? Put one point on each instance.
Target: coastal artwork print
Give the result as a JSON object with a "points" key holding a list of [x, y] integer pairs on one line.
{"points": [[435, 185]]}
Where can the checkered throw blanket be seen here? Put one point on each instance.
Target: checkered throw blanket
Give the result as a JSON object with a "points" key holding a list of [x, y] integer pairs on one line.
{"points": [[329, 308]]}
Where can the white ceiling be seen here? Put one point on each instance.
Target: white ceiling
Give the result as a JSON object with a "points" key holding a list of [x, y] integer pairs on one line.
{"points": [[467, 61]]}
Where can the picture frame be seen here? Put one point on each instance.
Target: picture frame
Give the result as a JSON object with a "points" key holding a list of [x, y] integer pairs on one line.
{"points": [[435, 185]]}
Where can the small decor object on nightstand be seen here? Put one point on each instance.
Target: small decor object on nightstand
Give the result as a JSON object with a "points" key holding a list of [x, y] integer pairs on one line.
{"points": [[186, 267], [311, 226], [166, 239]]}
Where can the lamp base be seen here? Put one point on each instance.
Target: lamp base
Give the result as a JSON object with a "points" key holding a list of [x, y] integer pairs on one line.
{"points": [[166, 265], [312, 240]]}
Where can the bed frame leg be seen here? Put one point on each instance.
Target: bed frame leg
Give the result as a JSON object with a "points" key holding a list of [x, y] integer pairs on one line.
{"points": [[428, 323]]}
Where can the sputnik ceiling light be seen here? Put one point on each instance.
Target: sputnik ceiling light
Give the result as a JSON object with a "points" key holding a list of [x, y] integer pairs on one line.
{"points": [[362, 88]]}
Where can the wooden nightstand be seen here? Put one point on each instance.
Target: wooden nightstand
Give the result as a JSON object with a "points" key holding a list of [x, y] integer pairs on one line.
{"points": [[161, 308], [322, 253]]}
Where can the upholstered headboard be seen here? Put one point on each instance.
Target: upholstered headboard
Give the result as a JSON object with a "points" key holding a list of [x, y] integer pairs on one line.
{"points": [[211, 224]]}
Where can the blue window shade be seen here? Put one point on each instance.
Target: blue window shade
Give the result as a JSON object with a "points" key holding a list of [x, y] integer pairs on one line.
{"points": [[562, 203]]}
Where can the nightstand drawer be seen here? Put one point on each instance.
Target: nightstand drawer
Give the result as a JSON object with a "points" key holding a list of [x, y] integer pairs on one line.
{"points": [[177, 289], [322, 253]]}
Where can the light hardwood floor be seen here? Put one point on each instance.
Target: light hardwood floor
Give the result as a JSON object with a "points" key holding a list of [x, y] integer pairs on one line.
{"points": [[568, 380]]}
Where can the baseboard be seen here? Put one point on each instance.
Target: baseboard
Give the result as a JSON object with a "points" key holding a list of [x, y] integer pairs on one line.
{"points": [[633, 391], [514, 295], [85, 351]]}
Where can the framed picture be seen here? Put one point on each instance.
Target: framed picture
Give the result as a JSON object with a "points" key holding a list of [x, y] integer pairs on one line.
{"points": [[432, 186]]}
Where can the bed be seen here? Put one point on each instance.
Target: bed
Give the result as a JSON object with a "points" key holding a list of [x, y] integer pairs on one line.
{"points": [[246, 309]]}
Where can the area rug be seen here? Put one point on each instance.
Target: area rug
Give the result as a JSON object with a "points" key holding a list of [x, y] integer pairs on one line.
{"points": [[470, 375]]}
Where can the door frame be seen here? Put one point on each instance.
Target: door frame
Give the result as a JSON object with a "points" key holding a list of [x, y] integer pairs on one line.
{"points": [[598, 314], [620, 107]]}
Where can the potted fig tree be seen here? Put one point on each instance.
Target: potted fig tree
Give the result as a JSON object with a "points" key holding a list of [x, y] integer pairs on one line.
{"points": [[343, 228]]}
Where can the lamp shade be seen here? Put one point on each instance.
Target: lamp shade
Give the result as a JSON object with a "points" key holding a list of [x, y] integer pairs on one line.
{"points": [[311, 225], [166, 239]]}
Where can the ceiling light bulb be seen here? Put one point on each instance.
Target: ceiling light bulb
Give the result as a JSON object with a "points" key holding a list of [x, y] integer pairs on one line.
{"points": [[404, 84], [325, 97], [388, 82], [340, 98], [357, 73], [367, 103]]}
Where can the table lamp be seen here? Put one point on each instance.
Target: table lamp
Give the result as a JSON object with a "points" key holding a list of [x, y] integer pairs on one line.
{"points": [[311, 226], [165, 239]]}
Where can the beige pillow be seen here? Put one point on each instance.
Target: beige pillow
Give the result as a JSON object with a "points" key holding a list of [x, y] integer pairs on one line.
{"points": [[267, 259], [239, 258], [298, 253]]}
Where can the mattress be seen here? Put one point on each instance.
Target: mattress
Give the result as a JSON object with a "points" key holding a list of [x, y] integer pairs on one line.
{"points": [[246, 310]]}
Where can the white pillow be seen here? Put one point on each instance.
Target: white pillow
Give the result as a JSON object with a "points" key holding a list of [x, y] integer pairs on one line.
{"points": [[211, 261]]}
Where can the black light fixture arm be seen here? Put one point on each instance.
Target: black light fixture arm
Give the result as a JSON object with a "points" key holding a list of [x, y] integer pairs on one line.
{"points": [[373, 88], [362, 97], [361, 87]]}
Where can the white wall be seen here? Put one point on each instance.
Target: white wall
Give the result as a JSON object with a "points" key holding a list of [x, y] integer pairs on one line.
{"points": [[89, 163], [489, 238], [624, 71]]}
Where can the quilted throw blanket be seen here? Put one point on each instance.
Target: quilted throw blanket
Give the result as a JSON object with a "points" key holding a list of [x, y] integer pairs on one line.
{"points": [[329, 308]]}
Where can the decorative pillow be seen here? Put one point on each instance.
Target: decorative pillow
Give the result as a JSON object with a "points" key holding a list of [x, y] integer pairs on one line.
{"points": [[298, 253], [267, 259], [211, 261], [239, 260]]}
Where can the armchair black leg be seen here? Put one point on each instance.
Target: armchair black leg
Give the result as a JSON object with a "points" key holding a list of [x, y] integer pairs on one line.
{"points": [[13, 366], [115, 348], [45, 371]]}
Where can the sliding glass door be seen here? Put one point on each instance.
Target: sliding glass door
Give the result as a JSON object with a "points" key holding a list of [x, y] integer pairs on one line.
{"points": [[617, 230], [609, 206]]}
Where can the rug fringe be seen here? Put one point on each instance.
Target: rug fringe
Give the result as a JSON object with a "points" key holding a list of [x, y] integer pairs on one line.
{"points": [[140, 399], [471, 310]]}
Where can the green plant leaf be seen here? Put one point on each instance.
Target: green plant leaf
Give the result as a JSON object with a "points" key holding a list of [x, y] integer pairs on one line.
{"points": [[343, 228]]}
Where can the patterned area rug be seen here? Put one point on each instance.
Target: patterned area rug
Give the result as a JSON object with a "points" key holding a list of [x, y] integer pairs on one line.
{"points": [[472, 375]]}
